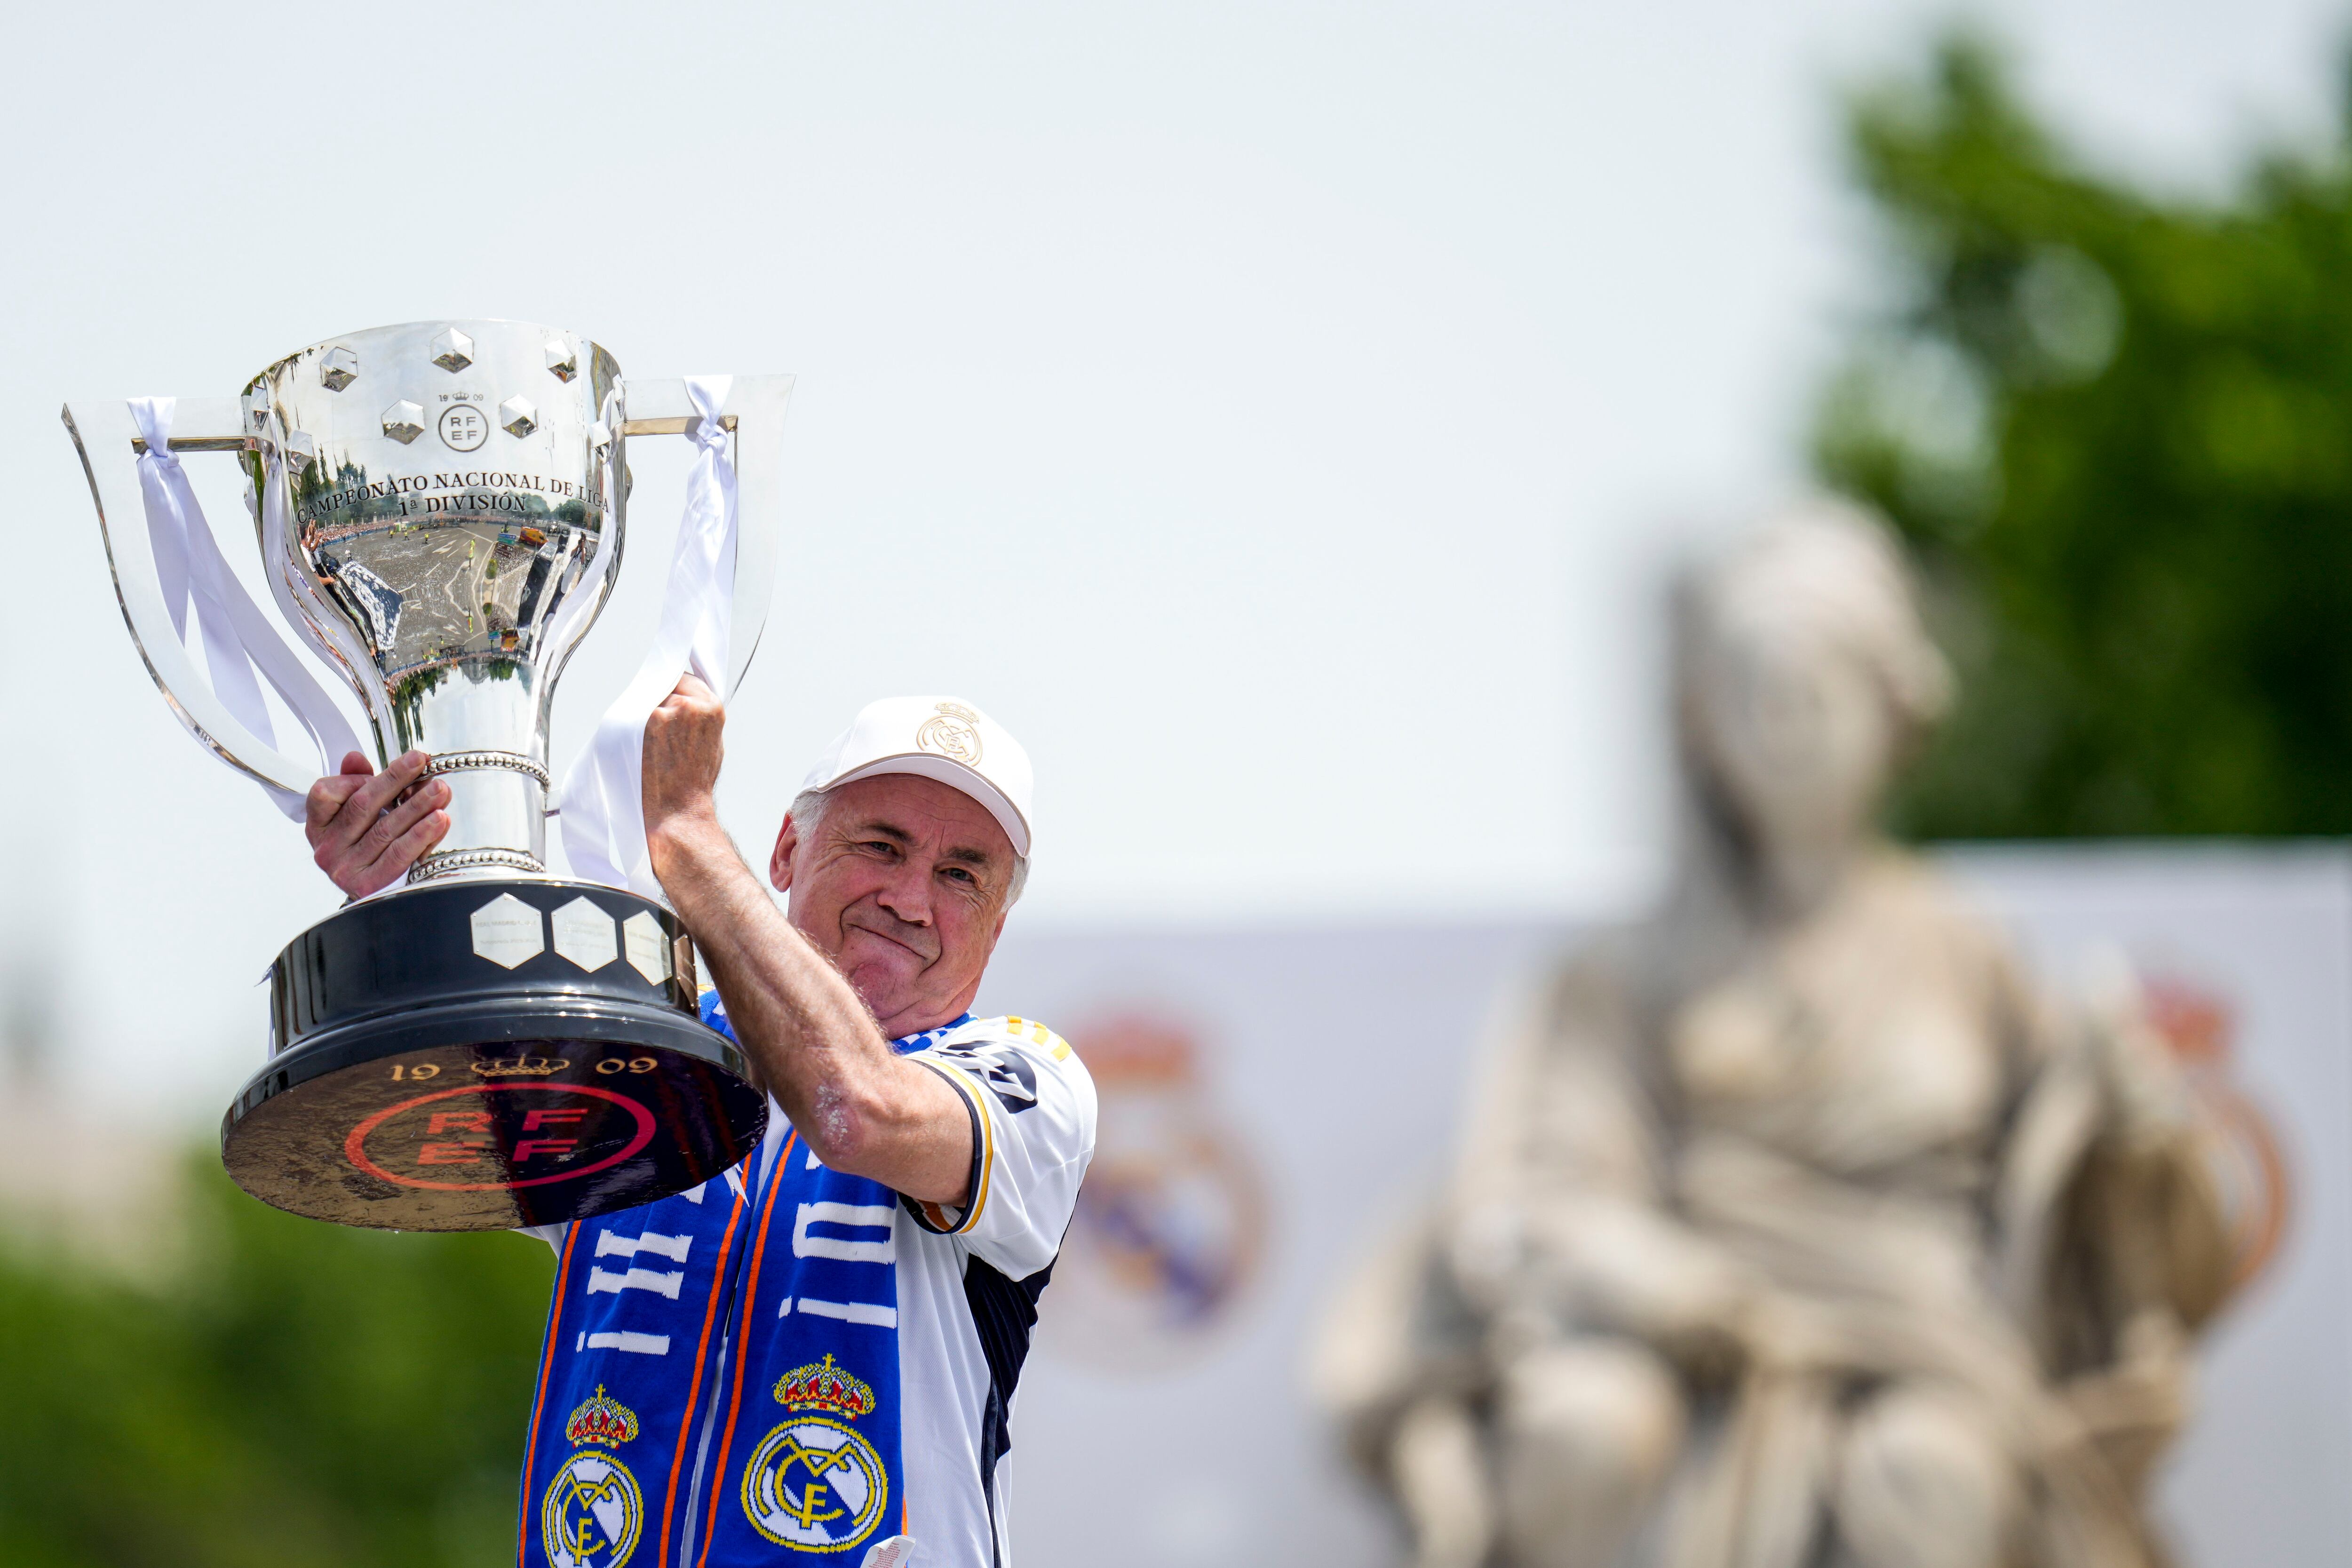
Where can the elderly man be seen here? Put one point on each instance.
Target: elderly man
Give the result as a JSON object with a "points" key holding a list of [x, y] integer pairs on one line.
{"points": [[816, 1354]]}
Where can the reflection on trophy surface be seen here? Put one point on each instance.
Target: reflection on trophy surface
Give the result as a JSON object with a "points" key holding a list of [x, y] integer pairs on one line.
{"points": [[440, 510], [1794, 1224]]}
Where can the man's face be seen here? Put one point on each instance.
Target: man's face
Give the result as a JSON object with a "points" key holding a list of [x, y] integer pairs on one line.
{"points": [[902, 881]]}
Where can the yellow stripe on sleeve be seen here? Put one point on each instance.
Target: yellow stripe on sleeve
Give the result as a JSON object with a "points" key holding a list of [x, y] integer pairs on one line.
{"points": [[978, 1097], [1038, 1034]]}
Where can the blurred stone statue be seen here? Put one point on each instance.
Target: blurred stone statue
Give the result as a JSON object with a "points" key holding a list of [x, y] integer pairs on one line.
{"points": [[1794, 1227]]}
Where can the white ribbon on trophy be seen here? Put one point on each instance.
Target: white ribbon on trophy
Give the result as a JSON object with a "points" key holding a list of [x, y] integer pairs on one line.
{"points": [[603, 800], [238, 639]]}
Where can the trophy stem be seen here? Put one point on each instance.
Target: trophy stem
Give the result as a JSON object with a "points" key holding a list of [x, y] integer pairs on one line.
{"points": [[498, 817]]}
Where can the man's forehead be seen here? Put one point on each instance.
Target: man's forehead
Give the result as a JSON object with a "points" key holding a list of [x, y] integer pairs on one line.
{"points": [[920, 810]]}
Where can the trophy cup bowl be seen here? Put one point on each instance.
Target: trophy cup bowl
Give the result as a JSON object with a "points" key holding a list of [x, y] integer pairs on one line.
{"points": [[488, 1046]]}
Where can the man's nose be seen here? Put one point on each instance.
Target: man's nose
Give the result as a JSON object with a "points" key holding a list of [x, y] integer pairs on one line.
{"points": [[908, 895]]}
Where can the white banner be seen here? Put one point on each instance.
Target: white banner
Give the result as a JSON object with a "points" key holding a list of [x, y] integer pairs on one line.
{"points": [[1274, 1100], [603, 801], [238, 638]]}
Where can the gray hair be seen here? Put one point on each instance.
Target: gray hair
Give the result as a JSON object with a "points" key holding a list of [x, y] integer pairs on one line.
{"points": [[809, 806]]}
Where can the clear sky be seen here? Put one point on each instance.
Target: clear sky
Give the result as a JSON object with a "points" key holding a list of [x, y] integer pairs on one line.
{"points": [[1278, 414]]}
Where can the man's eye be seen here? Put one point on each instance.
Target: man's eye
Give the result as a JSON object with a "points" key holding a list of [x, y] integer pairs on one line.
{"points": [[879, 846], [959, 874]]}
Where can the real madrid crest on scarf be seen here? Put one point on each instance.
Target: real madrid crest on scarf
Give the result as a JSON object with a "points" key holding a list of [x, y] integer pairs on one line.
{"points": [[813, 1481], [593, 1513]]}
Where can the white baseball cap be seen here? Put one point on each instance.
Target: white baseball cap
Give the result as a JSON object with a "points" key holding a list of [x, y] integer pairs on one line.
{"points": [[941, 738]]}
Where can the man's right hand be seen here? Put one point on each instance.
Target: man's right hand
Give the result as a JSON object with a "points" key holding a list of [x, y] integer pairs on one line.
{"points": [[361, 833]]}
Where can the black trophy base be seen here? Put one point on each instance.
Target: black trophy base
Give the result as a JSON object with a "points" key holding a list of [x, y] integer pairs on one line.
{"points": [[480, 1055]]}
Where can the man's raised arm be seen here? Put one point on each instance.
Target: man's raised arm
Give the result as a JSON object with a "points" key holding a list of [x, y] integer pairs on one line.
{"points": [[863, 1108]]}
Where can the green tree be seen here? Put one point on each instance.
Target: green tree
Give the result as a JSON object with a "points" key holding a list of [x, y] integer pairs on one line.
{"points": [[2117, 430], [282, 1393]]}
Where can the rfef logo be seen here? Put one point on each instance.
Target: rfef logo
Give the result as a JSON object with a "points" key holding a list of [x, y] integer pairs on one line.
{"points": [[496, 1137]]}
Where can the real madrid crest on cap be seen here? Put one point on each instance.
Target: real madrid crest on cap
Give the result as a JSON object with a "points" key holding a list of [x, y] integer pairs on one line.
{"points": [[592, 1512], [813, 1482], [951, 731]]}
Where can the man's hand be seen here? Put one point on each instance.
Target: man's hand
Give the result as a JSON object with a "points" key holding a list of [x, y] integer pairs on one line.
{"points": [[683, 751], [363, 835]]}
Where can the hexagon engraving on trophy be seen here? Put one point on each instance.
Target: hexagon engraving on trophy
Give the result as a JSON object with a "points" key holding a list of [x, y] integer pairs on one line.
{"points": [[562, 360], [647, 947], [585, 934], [452, 350], [339, 369], [404, 422], [518, 417], [509, 931]]}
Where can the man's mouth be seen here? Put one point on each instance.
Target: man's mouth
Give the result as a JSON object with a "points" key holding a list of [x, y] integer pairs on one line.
{"points": [[892, 938]]}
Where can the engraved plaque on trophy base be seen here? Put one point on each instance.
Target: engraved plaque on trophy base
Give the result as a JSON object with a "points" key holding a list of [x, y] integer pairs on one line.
{"points": [[484, 1053]]}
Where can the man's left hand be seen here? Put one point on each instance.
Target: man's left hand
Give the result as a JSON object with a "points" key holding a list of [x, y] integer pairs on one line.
{"points": [[683, 751]]}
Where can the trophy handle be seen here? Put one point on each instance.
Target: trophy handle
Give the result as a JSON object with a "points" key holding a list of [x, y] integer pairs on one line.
{"points": [[755, 412], [105, 436]]}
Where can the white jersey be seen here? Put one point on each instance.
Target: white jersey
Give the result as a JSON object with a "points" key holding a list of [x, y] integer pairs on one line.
{"points": [[805, 1363]]}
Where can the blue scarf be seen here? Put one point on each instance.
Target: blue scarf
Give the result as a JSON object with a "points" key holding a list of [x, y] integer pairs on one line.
{"points": [[719, 1380]]}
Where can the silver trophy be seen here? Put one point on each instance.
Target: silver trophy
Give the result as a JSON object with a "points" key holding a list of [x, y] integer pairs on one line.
{"points": [[441, 507]]}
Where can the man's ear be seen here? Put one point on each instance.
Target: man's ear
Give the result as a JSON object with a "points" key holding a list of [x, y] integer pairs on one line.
{"points": [[780, 863]]}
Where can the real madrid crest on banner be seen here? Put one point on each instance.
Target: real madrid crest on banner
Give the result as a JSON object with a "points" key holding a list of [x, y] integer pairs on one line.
{"points": [[1171, 1225], [592, 1512], [813, 1482]]}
